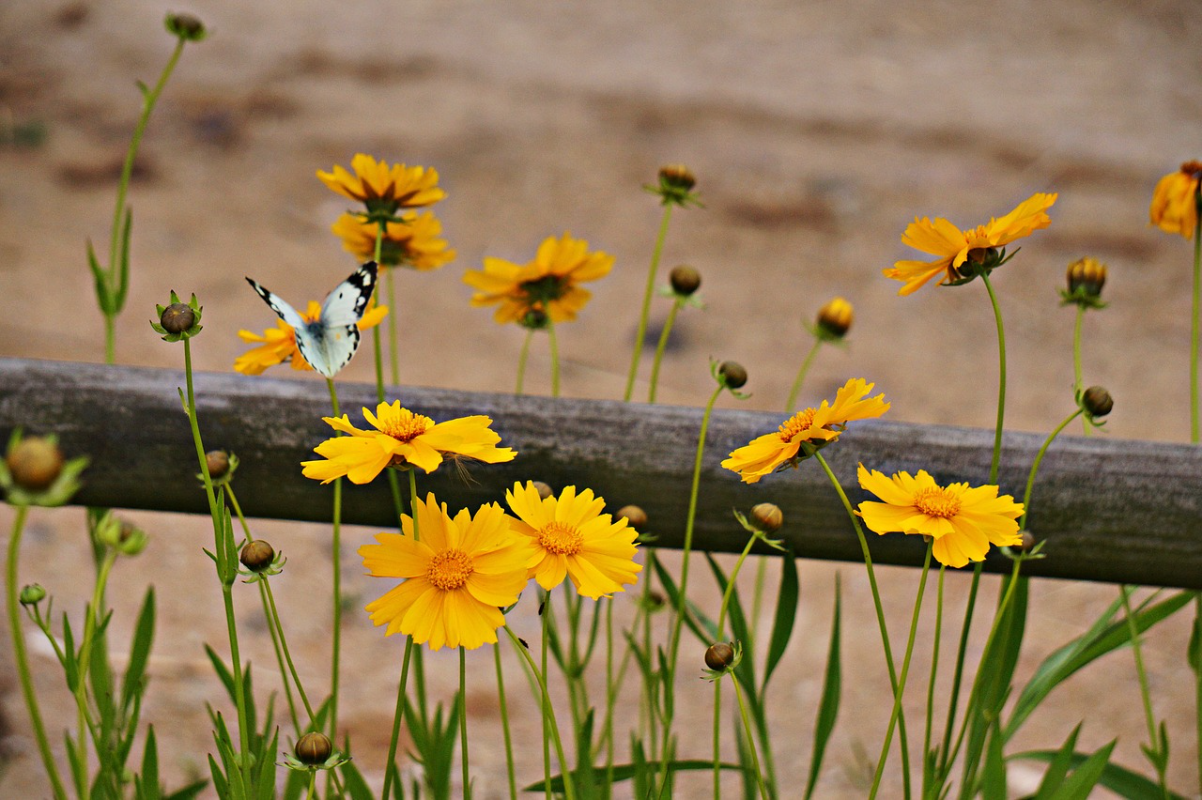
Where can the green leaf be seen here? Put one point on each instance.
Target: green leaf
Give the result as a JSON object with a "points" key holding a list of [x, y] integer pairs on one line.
{"points": [[265, 767], [189, 792], [666, 581], [624, 772], [220, 784], [103, 298], [70, 655], [1086, 775], [832, 687], [1194, 652], [148, 780], [751, 787], [356, 786], [786, 615], [741, 632], [223, 672], [139, 650], [993, 778], [1120, 780], [123, 262]]}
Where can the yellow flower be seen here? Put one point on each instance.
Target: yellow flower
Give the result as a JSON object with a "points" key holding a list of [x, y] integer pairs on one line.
{"points": [[384, 188], [954, 246], [962, 521], [806, 432], [278, 345], [1175, 201], [547, 285], [411, 243], [400, 439], [458, 573], [572, 537]]}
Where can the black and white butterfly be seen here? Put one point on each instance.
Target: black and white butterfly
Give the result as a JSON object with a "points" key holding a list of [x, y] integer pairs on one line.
{"points": [[329, 343]]}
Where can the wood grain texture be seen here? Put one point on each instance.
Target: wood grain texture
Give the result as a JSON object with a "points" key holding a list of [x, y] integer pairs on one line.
{"points": [[1111, 510]]}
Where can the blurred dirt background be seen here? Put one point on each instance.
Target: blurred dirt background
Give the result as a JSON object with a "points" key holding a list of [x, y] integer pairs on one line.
{"points": [[817, 132]]}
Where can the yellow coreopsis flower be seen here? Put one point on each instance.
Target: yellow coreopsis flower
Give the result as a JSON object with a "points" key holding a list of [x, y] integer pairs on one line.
{"points": [[963, 521], [572, 538], [954, 246], [402, 439], [1175, 201], [545, 288], [278, 345], [384, 188], [458, 574], [806, 432], [414, 242]]}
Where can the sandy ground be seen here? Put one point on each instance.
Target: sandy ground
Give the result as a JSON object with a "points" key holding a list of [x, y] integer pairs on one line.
{"points": [[817, 132]]}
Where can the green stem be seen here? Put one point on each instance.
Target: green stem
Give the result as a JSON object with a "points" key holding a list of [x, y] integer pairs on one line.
{"points": [[525, 354], [905, 670], [554, 359], [394, 361], [509, 765], [397, 717], [311, 794], [958, 673], [791, 403], [926, 737], [669, 679], [95, 611], [1154, 742], [548, 716], [300, 689], [1195, 331], [336, 558], [110, 339], [564, 768], [611, 692], [730, 585], [757, 601], [419, 671], [1022, 521], [22, 658], [642, 332], [1078, 384], [880, 614], [1001, 390], [661, 346], [467, 783], [755, 759]]}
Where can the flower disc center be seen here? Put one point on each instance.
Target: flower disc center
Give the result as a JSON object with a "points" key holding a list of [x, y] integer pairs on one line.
{"points": [[560, 538], [406, 427], [449, 569], [935, 501], [801, 421]]}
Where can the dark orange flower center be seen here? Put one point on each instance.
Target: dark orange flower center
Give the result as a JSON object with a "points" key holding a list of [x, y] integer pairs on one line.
{"points": [[405, 428], [449, 570], [801, 421], [935, 501], [1192, 168], [560, 538]]}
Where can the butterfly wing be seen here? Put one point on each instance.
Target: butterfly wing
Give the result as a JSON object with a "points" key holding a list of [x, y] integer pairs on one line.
{"points": [[345, 305], [309, 336]]}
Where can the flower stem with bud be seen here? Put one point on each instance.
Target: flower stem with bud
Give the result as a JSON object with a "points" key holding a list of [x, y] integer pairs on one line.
{"points": [[336, 556], [661, 346], [646, 312], [1077, 384]]}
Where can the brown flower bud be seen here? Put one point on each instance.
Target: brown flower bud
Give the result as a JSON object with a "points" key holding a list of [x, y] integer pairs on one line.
{"points": [[257, 556], [1097, 401], [656, 598], [218, 462], [719, 656], [636, 516], [834, 318], [684, 279], [544, 491], [1088, 275], [177, 318], [313, 749], [1028, 542], [767, 517], [186, 27], [35, 463], [678, 176], [733, 374]]}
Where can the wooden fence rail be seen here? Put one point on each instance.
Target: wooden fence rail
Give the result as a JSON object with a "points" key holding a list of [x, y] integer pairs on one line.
{"points": [[1111, 510]]}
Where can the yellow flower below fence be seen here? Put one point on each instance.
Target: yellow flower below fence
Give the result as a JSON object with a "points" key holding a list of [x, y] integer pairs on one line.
{"points": [[382, 187], [402, 439], [414, 242], [804, 433], [954, 246], [1175, 201], [547, 285], [573, 538], [963, 521], [458, 573], [278, 345]]}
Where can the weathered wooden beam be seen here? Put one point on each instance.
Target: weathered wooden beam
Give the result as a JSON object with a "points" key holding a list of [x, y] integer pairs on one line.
{"points": [[1111, 510]]}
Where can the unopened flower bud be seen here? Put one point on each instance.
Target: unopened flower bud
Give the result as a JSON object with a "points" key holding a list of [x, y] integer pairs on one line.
{"points": [[177, 318], [218, 462], [634, 515], [313, 749], [719, 656], [1097, 401], [32, 594], [186, 27], [535, 319], [767, 517], [733, 374], [1028, 542], [685, 280], [1087, 275], [257, 556], [677, 176], [834, 318], [544, 491], [35, 463], [656, 599], [131, 540]]}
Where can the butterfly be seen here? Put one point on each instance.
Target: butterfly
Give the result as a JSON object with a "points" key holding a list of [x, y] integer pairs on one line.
{"points": [[329, 342]]}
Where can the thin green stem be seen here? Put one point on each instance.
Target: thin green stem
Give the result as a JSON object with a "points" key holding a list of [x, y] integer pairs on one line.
{"points": [[1001, 390], [611, 692], [467, 782], [880, 613], [1195, 332], [661, 346], [791, 403], [509, 764], [958, 673], [905, 671], [311, 794], [1078, 384], [22, 658], [394, 360], [755, 759], [110, 339], [548, 717], [419, 671], [522, 358], [757, 598], [569, 785], [336, 558], [397, 717], [1154, 742], [1022, 521], [554, 358], [95, 612], [926, 737], [646, 312], [275, 621], [730, 585]]}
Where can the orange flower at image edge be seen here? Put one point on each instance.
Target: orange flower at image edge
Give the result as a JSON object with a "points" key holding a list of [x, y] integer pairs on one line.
{"points": [[954, 246], [804, 433], [458, 573], [963, 521], [279, 343], [401, 439], [1175, 201]]}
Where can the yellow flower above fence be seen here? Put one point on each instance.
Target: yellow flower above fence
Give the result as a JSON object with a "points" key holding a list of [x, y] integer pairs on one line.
{"points": [[382, 187], [963, 521], [954, 246], [573, 538], [414, 242], [278, 345], [1175, 201], [457, 574], [402, 439], [806, 432]]}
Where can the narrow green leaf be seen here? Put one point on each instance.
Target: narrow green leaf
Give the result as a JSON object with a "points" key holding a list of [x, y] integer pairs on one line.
{"points": [[70, 655], [786, 615], [220, 784], [266, 766], [103, 297], [189, 792], [993, 777], [295, 785], [751, 788], [356, 786], [139, 650], [669, 585], [1086, 775], [223, 672], [123, 263], [624, 772], [149, 776], [740, 632], [832, 688], [1124, 782]]}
